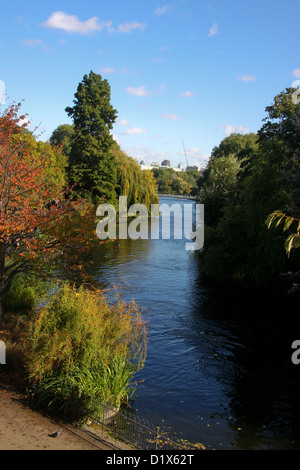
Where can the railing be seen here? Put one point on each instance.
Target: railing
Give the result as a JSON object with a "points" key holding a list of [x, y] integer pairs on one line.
{"points": [[125, 426], [177, 196]]}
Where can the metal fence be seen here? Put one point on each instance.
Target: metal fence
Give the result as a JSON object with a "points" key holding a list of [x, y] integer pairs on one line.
{"points": [[125, 426]]}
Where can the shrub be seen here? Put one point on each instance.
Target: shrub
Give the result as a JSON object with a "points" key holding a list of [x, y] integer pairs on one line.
{"points": [[83, 349], [24, 293]]}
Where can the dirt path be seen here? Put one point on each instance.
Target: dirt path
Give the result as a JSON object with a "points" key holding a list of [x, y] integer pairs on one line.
{"points": [[22, 428]]}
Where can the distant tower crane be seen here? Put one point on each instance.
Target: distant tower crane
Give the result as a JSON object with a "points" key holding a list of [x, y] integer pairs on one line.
{"points": [[187, 163]]}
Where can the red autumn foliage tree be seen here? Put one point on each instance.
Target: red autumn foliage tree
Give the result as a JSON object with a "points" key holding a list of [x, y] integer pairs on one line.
{"points": [[36, 221]]}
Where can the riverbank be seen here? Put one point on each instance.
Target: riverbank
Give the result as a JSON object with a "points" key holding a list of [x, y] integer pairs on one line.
{"points": [[178, 196], [24, 428]]}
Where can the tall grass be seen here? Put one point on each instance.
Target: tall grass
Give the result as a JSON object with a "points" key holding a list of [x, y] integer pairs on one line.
{"points": [[83, 349]]}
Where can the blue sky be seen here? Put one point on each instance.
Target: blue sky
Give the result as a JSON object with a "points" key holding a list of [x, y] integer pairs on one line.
{"points": [[191, 70]]}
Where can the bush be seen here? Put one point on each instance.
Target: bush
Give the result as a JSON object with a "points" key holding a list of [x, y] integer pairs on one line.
{"points": [[83, 350], [24, 293]]}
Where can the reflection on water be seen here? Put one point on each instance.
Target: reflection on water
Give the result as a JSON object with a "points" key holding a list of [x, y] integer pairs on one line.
{"points": [[218, 368]]}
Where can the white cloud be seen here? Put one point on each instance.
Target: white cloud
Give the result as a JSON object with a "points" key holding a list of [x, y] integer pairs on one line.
{"points": [[230, 129], [187, 94], [135, 131], [247, 78], [117, 139], [107, 70], [72, 24], [156, 136], [161, 10], [122, 122], [34, 42], [147, 154], [161, 89], [194, 152], [170, 117], [112, 71], [140, 91], [213, 30], [296, 73], [205, 157], [128, 27]]}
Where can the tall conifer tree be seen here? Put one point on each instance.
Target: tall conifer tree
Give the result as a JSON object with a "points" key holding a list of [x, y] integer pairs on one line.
{"points": [[92, 166]]}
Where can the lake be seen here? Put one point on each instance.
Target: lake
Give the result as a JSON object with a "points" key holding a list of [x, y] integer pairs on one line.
{"points": [[218, 368]]}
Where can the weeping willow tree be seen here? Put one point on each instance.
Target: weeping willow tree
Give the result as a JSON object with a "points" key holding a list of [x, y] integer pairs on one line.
{"points": [[139, 186]]}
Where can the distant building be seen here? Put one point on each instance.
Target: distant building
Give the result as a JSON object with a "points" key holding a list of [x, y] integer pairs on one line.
{"points": [[195, 167], [161, 167], [166, 163]]}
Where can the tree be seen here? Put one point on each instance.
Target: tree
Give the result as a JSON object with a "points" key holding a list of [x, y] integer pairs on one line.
{"points": [[35, 219], [62, 135], [293, 239], [171, 182], [136, 184], [220, 187], [280, 133], [243, 146], [92, 166], [240, 145], [280, 137], [239, 246], [282, 122]]}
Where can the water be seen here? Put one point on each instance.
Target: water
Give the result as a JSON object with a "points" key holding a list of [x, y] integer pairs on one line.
{"points": [[218, 368]]}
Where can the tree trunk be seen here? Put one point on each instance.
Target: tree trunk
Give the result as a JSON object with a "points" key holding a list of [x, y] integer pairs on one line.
{"points": [[1, 311]]}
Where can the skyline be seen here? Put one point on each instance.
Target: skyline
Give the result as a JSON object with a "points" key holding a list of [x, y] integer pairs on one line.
{"points": [[182, 71]]}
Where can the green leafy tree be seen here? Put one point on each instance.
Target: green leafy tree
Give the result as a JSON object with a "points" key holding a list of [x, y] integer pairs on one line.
{"points": [[243, 146], [240, 145], [220, 187], [92, 166], [138, 185], [280, 137], [281, 133], [62, 136], [288, 223], [282, 123], [239, 246], [171, 182]]}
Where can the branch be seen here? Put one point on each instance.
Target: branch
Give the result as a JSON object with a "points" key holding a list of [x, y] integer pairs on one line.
{"points": [[15, 271], [293, 240]]}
